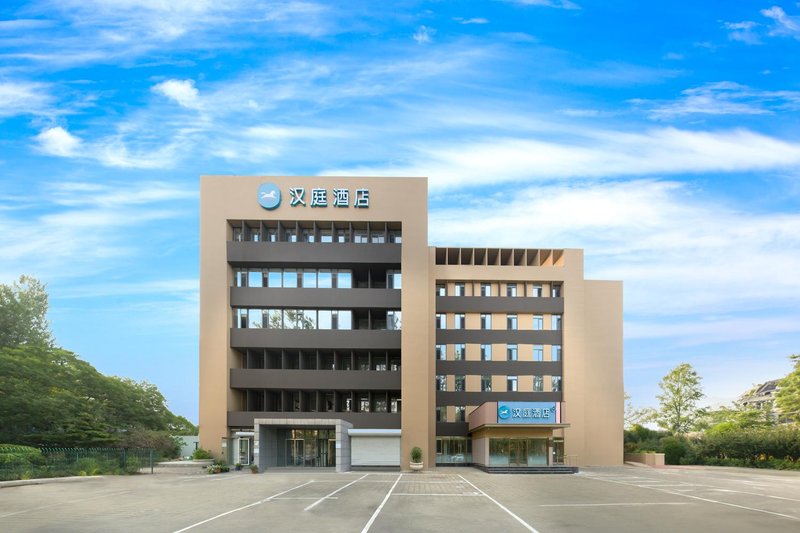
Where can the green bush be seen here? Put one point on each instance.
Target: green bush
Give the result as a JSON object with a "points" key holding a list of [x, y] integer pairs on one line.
{"points": [[675, 448], [201, 453]]}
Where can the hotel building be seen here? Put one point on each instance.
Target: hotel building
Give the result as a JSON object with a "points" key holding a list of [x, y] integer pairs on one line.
{"points": [[332, 335]]}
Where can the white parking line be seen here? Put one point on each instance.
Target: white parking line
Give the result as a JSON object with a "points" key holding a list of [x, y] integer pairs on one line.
{"points": [[332, 493], [501, 506], [106, 495], [207, 520], [378, 510], [612, 504]]}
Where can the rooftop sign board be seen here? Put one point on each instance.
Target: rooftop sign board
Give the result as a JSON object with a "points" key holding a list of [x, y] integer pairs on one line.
{"points": [[269, 196]]}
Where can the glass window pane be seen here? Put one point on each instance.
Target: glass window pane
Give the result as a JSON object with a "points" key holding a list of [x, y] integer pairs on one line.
{"points": [[344, 279], [345, 320], [325, 279], [254, 318], [254, 278], [275, 278], [275, 319], [290, 278], [324, 319], [309, 278]]}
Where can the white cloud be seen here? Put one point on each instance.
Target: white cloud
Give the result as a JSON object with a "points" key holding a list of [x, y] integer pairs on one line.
{"points": [[59, 142], [783, 23], [588, 153], [476, 20], [560, 4], [673, 56], [723, 98], [181, 91], [22, 98], [424, 35], [742, 31]]}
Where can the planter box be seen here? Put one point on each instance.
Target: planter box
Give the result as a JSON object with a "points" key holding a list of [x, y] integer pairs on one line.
{"points": [[649, 459]]}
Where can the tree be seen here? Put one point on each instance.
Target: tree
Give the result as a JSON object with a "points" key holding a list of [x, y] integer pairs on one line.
{"points": [[634, 416], [680, 392], [787, 400], [23, 313]]}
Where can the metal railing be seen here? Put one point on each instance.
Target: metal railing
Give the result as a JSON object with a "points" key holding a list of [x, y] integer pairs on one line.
{"points": [[22, 462]]}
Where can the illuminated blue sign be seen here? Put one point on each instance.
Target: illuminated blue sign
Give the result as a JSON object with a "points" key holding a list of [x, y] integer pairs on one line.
{"points": [[528, 413], [269, 196]]}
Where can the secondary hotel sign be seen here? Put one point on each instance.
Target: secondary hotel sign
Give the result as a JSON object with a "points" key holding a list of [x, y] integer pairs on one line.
{"points": [[269, 196], [528, 413]]}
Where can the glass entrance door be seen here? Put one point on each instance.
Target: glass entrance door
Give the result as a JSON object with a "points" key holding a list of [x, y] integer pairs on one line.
{"points": [[518, 452], [244, 451], [295, 452]]}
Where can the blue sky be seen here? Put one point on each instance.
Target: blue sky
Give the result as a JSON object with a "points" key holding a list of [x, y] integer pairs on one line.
{"points": [[660, 137]]}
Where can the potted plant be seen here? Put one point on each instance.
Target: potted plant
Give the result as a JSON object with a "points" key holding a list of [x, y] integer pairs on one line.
{"points": [[254, 469], [238, 466], [416, 458]]}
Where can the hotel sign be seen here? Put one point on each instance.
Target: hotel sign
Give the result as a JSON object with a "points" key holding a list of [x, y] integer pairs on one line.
{"points": [[528, 413], [269, 196]]}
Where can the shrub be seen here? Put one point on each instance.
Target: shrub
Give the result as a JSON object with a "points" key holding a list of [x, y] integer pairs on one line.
{"points": [[416, 454], [674, 448], [201, 453]]}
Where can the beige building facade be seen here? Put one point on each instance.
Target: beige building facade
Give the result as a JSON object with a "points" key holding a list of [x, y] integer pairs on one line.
{"points": [[332, 335]]}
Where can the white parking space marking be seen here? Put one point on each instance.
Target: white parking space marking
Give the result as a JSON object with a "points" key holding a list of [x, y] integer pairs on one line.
{"points": [[636, 504], [334, 492], [501, 506], [106, 495], [259, 502], [683, 494], [380, 507]]}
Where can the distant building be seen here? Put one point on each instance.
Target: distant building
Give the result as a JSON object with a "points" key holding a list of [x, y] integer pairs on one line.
{"points": [[761, 397]]}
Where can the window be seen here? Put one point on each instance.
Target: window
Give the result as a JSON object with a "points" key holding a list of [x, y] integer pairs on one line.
{"points": [[363, 403], [441, 352], [394, 320], [537, 291], [441, 289], [511, 352], [556, 381], [395, 237], [460, 351], [511, 383], [275, 277], [486, 383], [255, 278], [441, 414], [254, 318], [461, 321], [344, 279], [360, 237], [461, 383], [241, 319], [309, 279], [291, 235], [486, 321], [538, 384], [342, 235], [237, 234], [461, 412], [538, 352], [538, 322], [555, 322], [511, 321], [325, 279], [460, 291], [555, 291], [393, 279], [290, 278], [377, 237], [511, 289], [342, 319], [441, 321], [441, 382], [272, 235], [486, 352], [324, 320], [308, 235], [394, 404], [325, 236], [555, 353], [486, 289], [240, 278]]}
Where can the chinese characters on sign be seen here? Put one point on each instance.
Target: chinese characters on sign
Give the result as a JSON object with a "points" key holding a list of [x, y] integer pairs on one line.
{"points": [[319, 197], [528, 413]]}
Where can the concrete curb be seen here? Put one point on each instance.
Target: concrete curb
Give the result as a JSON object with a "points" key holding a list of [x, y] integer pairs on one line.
{"points": [[45, 481]]}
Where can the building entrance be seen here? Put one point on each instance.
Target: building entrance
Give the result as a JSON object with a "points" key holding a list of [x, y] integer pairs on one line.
{"points": [[314, 448]]}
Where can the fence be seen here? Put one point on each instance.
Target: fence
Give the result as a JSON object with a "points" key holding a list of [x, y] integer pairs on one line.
{"points": [[22, 462]]}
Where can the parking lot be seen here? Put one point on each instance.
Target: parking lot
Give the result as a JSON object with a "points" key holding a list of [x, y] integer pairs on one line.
{"points": [[457, 499]]}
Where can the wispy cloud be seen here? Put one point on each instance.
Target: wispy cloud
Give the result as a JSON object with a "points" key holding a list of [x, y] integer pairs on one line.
{"points": [[424, 35], [722, 98], [24, 98], [588, 153], [742, 31], [181, 91], [476, 20], [783, 24], [560, 4]]}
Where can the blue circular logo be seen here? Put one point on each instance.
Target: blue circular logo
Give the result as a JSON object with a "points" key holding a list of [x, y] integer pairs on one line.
{"points": [[503, 412], [269, 196]]}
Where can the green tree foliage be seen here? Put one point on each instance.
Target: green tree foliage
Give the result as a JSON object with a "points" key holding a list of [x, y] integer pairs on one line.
{"points": [[787, 400], [634, 416], [23, 313], [680, 391]]}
